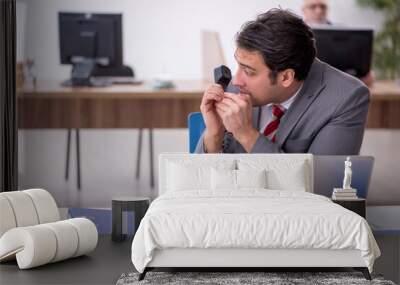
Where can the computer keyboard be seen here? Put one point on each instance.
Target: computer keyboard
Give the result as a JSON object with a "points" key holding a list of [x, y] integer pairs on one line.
{"points": [[118, 79]]}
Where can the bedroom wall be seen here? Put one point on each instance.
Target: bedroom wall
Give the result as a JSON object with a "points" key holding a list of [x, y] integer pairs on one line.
{"points": [[155, 41]]}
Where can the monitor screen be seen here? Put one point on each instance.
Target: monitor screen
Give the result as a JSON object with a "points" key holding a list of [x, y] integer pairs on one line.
{"points": [[346, 49], [90, 36]]}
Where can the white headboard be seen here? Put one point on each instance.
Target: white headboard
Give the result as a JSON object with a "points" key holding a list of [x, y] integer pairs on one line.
{"points": [[164, 158]]}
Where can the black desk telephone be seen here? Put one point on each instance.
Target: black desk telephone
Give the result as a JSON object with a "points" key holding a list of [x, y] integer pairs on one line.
{"points": [[222, 76]]}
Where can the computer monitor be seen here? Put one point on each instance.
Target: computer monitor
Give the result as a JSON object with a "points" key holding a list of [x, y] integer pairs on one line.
{"points": [[89, 41], [347, 49]]}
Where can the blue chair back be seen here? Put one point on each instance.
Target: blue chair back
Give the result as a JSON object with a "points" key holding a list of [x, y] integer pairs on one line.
{"points": [[329, 173], [196, 128]]}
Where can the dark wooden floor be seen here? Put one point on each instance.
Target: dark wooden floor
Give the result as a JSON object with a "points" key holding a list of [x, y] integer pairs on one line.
{"points": [[102, 266], [106, 264]]}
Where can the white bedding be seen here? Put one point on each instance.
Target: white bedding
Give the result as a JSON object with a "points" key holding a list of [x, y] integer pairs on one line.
{"points": [[251, 218]]}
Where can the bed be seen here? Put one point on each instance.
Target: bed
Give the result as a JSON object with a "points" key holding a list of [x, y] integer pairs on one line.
{"points": [[247, 210]]}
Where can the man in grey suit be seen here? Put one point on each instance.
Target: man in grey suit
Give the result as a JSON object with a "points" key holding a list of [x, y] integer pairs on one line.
{"points": [[288, 101]]}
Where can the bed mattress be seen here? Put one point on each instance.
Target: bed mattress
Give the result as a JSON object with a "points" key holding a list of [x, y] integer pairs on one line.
{"points": [[250, 219]]}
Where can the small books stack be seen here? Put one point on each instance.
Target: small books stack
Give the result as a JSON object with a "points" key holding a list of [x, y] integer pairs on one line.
{"points": [[344, 194]]}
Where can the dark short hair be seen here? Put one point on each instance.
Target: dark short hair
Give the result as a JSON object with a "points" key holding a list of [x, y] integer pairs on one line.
{"points": [[283, 39]]}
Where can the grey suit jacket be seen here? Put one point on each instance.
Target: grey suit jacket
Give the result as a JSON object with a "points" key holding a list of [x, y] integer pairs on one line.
{"points": [[326, 118]]}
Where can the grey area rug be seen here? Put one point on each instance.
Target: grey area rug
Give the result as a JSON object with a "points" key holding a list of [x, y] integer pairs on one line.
{"points": [[225, 278]]}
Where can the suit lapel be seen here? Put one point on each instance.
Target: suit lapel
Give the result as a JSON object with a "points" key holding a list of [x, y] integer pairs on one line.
{"points": [[312, 87], [256, 117]]}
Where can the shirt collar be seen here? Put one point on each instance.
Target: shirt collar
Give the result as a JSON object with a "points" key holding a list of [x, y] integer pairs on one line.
{"points": [[286, 104], [289, 101]]}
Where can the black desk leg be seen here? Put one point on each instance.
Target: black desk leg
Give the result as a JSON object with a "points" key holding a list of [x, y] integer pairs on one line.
{"points": [[67, 157], [78, 159], [117, 222], [151, 158], [139, 152]]}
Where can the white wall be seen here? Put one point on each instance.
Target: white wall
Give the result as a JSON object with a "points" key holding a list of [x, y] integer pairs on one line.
{"points": [[164, 35]]}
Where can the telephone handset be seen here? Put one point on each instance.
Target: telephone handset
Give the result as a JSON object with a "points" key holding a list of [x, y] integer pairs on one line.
{"points": [[222, 76]]}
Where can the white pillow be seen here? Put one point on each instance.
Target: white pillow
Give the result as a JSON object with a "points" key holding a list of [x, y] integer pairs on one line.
{"points": [[193, 174], [293, 178], [251, 178], [282, 174], [223, 179], [226, 179]]}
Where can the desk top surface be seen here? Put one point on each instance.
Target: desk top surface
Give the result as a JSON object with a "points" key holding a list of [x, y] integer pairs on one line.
{"points": [[184, 89], [386, 89], [53, 88]]}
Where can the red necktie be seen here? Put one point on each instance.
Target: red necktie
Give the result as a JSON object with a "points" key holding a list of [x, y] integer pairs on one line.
{"points": [[270, 129]]}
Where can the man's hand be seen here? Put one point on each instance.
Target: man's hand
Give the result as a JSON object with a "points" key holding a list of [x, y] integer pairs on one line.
{"points": [[214, 132], [235, 111]]}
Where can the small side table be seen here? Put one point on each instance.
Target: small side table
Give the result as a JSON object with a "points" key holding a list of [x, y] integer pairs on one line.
{"points": [[139, 205], [355, 205]]}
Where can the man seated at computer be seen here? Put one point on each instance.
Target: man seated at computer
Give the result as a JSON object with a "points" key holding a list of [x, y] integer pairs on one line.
{"points": [[315, 12], [289, 101]]}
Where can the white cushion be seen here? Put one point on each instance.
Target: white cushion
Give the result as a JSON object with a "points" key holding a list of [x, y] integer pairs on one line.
{"points": [[226, 179], [251, 178], [34, 244], [282, 174], [223, 179], [46, 207], [26, 208], [292, 178], [67, 239], [7, 220], [187, 174], [23, 208], [40, 244], [87, 235], [285, 164]]}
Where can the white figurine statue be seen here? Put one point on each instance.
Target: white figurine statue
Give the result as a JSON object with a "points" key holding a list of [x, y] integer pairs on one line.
{"points": [[347, 174]]}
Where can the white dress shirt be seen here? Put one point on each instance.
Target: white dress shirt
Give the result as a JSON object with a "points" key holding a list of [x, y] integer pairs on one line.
{"points": [[266, 110]]}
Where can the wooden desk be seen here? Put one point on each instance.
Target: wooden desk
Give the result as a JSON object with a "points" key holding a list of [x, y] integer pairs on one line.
{"points": [[50, 105], [384, 110], [139, 106]]}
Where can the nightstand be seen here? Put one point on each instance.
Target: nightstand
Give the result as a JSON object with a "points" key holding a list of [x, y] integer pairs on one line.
{"points": [[138, 205], [355, 205]]}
